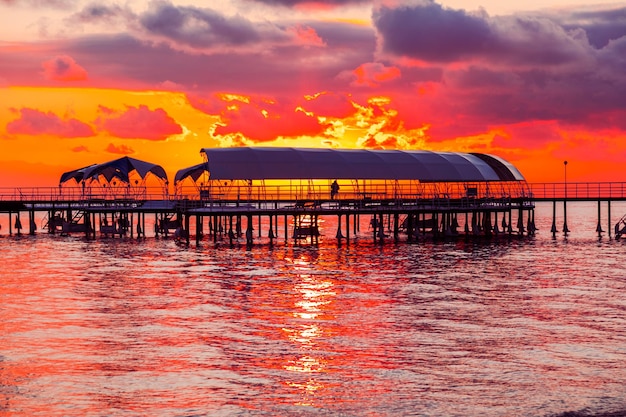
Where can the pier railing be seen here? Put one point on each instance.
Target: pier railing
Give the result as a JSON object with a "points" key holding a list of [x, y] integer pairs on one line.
{"points": [[583, 191], [224, 192]]}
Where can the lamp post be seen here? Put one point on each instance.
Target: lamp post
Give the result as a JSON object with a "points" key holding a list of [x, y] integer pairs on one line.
{"points": [[565, 229]]}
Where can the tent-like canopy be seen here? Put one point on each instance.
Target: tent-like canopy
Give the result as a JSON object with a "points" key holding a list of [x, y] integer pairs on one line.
{"points": [[258, 163], [193, 172], [119, 168]]}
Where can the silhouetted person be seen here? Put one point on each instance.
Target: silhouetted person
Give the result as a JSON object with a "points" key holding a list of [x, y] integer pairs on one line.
{"points": [[334, 190]]}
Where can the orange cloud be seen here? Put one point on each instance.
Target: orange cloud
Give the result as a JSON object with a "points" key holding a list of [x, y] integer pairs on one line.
{"points": [[139, 123], [306, 36], [63, 68], [35, 122], [119, 149], [372, 74], [329, 104], [528, 135], [264, 123]]}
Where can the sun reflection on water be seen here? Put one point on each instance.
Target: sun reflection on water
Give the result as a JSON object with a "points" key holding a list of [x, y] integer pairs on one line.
{"points": [[313, 297]]}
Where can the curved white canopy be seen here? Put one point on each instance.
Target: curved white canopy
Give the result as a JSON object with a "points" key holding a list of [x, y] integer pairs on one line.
{"points": [[258, 163]]}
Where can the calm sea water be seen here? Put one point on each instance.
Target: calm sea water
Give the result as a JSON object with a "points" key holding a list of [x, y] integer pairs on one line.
{"points": [[505, 327]]}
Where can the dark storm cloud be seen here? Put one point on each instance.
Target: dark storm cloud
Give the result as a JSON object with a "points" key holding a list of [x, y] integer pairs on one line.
{"points": [[430, 32]]}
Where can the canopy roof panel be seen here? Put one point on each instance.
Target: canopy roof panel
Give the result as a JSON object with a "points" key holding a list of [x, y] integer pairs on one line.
{"points": [[258, 163], [193, 172], [119, 168]]}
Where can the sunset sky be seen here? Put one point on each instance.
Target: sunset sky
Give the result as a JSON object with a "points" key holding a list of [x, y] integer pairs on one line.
{"points": [[535, 82]]}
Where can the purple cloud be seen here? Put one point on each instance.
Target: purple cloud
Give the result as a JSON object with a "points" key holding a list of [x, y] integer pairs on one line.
{"points": [[206, 28], [35, 122], [600, 26], [139, 122], [64, 68], [60, 4], [322, 3], [431, 33]]}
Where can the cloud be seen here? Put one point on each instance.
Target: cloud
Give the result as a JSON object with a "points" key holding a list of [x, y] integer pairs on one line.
{"points": [[129, 61], [329, 104], [561, 70], [600, 25], [372, 74], [58, 4], [138, 123], [96, 13], [119, 149], [81, 148], [263, 121], [204, 29], [198, 30], [305, 35], [428, 32], [528, 135], [64, 68], [197, 27], [37, 123], [312, 4]]}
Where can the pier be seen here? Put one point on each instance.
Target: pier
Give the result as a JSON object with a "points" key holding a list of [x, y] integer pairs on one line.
{"points": [[231, 213], [412, 194], [283, 213], [254, 194]]}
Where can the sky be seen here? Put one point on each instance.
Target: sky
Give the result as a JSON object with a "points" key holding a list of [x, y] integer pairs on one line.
{"points": [[533, 82]]}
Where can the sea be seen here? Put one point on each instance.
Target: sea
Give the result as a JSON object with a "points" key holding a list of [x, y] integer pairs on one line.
{"points": [[507, 326]]}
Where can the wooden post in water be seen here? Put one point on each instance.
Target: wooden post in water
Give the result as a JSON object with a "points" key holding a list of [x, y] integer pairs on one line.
{"points": [[231, 234], [599, 226], [286, 223], [565, 228], [198, 228], [609, 216], [215, 221], [553, 229], [31, 222], [87, 225], [381, 229], [271, 232], [187, 237], [520, 221], [396, 227], [339, 235], [249, 231]]}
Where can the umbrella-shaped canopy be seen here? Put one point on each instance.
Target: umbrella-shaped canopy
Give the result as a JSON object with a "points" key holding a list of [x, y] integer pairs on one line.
{"points": [[119, 168]]}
